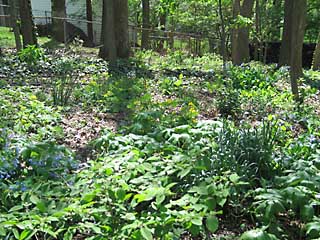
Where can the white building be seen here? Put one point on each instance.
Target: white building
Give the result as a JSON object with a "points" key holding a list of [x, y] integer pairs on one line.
{"points": [[76, 14]]}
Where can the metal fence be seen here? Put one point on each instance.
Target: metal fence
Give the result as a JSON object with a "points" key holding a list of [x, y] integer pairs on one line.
{"points": [[159, 40]]}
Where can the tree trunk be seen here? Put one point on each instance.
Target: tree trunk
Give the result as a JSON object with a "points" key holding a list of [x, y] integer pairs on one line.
{"points": [[145, 24], [27, 25], [297, 26], [121, 28], [316, 56], [285, 49], [58, 10], [235, 54], [257, 46], [109, 49], [163, 21], [89, 19], [240, 38], [223, 36], [14, 24]]}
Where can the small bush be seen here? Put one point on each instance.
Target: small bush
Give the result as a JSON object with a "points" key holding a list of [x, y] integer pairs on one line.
{"points": [[31, 55]]}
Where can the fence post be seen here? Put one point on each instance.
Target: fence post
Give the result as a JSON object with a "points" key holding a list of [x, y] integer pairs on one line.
{"points": [[65, 32], [14, 24]]}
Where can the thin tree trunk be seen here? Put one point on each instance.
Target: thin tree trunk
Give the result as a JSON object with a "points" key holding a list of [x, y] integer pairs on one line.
{"points": [[223, 36], [121, 28], [58, 9], [27, 25], [316, 56], [163, 21], [109, 49], [89, 18], [14, 24], [257, 46], [145, 24]]}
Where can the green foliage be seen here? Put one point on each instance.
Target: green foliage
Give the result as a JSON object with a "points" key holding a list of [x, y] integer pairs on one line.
{"points": [[169, 171], [24, 114], [294, 194], [257, 234], [31, 55], [252, 76]]}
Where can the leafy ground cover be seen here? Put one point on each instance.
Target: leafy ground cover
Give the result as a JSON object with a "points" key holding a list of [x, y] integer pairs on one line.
{"points": [[160, 147]]}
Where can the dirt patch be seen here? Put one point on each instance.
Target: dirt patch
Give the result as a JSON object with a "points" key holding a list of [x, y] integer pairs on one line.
{"points": [[82, 127]]}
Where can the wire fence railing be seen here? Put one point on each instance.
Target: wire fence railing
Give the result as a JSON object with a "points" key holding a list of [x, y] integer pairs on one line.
{"points": [[159, 40]]}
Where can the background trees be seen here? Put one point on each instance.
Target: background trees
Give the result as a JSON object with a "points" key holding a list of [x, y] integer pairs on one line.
{"points": [[316, 57]]}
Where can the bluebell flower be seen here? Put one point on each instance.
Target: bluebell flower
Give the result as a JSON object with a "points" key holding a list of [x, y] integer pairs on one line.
{"points": [[23, 188]]}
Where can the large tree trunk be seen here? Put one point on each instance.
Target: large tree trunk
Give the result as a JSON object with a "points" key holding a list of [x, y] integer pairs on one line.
{"points": [[109, 49], [89, 19], [122, 28], [240, 35], [316, 56], [297, 25], [58, 10], [145, 24], [115, 34], [27, 25]]}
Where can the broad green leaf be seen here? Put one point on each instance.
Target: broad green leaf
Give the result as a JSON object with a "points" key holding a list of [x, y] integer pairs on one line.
{"points": [[234, 178], [197, 221], [146, 233], [121, 194], [25, 234], [307, 213], [34, 199], [16, 208], [16, 233], [212, 223], [257, 234], [41, 205], [211, 204], [3, 231]]}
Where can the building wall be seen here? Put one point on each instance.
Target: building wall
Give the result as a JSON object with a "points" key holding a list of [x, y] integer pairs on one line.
{"points": [[75, 11], [4, 21]]}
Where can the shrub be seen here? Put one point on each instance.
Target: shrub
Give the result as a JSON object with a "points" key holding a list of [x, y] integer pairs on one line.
{"points": [[31, 55]]}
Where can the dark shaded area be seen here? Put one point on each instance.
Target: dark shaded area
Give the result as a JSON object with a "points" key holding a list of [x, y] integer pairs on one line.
{"points": [[272, 50], [72, 33]]}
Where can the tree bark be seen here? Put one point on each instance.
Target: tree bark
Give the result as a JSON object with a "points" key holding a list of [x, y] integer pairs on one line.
{"points": [[27, 25], [316, 56], [121, 28], [285, 49], [89, 19], [240, 38], [58, 10], [257, 46], [145, 24], [14, 25], [223, 36], [297, 25], [109, 49], [163, 21], [235, 54]]}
